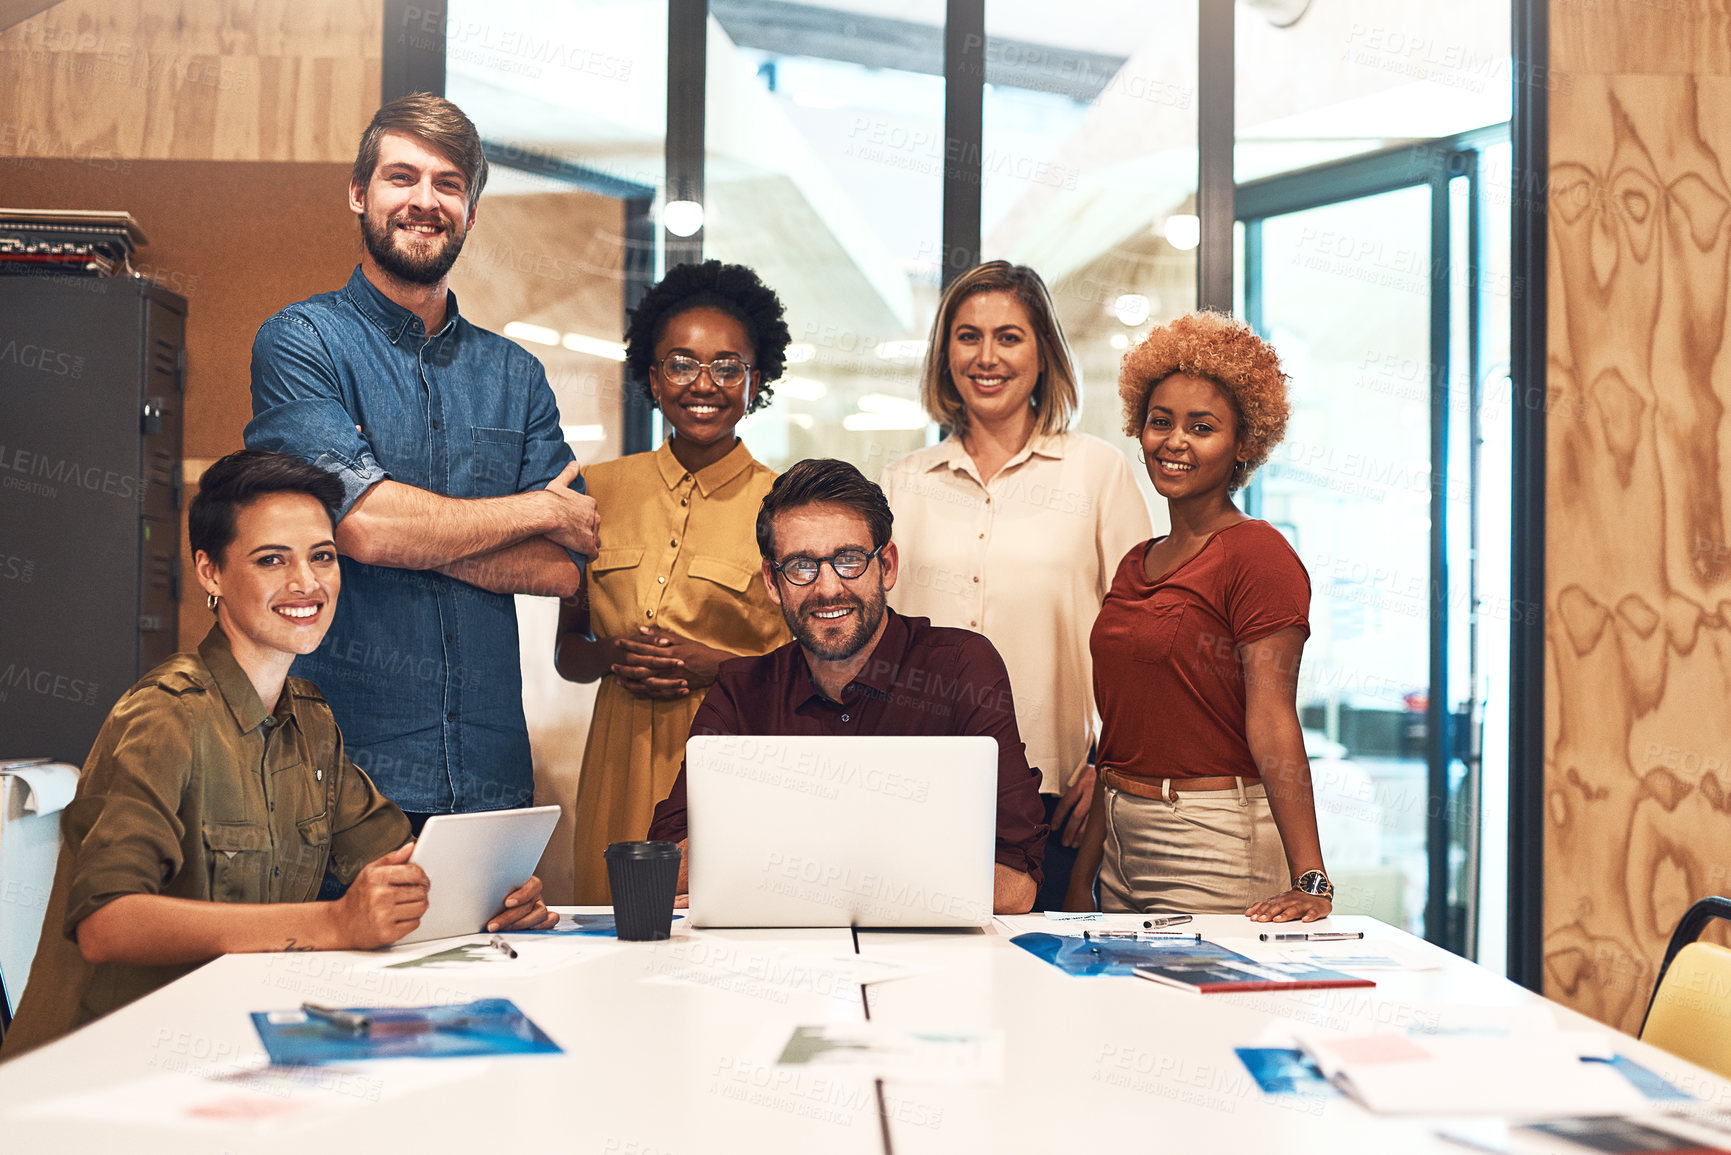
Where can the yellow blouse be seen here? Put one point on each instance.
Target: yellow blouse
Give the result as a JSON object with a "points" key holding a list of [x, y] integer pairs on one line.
{"points": [[678, 551]]}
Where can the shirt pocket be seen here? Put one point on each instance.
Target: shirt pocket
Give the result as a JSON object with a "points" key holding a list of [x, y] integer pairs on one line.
{"points": [[733, 576], [612, 559], [498, 459], [238, 854], [1155, 629]]}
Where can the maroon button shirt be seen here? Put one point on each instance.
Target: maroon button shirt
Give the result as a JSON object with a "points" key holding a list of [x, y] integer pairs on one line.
{"points": [[920, 680]]}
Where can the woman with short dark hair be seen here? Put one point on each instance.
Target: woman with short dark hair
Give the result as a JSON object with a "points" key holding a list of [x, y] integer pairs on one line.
{"points": [[217, 793], [674, 591]]}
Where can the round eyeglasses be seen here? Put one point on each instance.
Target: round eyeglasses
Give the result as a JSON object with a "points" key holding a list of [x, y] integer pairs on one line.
{"points": [[800, 570], [726, 372]]}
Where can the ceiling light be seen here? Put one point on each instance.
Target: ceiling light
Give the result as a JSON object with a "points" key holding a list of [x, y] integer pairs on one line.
{"points": [[1119, 341], [682, 218], [1131, 308], [1183, 231], [524, 331], [594, 346]]}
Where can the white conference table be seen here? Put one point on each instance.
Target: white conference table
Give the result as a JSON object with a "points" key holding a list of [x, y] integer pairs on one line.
{"points": [[667, 1067]]}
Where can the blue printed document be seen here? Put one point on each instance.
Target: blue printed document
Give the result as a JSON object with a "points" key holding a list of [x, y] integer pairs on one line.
{"points": [[481, 1027]]}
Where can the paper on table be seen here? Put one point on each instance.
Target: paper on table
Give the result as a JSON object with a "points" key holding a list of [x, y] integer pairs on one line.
{"points": [[257, 1096], [896, 1053], [708, 961], [1522, 1076], [1353, 955], [1015, 924]]}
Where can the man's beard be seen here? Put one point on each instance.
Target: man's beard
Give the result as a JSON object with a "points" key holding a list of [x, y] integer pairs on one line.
{"points": [[418, 268], [868, 616]]}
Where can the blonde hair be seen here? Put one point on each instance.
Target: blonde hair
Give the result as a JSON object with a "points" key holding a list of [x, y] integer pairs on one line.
{"points": [[1055, 398]]}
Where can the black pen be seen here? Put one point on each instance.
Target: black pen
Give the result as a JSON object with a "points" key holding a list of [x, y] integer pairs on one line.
{"points": [[348, 1020], [1167, 920], [498, 943]]}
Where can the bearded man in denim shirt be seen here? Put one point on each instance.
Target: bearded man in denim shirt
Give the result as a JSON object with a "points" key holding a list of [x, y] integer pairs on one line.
{"points": [[459, 489]]}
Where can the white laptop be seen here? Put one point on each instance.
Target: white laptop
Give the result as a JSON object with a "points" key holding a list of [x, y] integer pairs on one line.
{"points": [[472, 862], [841, 831]]}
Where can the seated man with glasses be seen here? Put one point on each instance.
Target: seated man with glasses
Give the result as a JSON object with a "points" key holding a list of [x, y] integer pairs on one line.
{"points": [[857, 667]]}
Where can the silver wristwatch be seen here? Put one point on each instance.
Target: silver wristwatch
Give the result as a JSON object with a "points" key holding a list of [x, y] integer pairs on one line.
{"points": [[1314, 882]]}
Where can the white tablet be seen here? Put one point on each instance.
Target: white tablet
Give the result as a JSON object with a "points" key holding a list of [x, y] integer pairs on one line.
{"points": [[473, 861]]}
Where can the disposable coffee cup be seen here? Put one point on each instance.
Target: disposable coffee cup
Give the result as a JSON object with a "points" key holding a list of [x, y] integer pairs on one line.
{"points": [[643, 877]]}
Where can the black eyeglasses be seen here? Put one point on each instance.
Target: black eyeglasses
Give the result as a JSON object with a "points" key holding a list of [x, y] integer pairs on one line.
{"points": [[800, 570], [726, 372]]}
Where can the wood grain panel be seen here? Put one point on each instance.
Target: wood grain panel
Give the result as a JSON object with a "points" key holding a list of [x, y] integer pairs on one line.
{"points": [[1638, 767], [1672, 37], [191, 79]]}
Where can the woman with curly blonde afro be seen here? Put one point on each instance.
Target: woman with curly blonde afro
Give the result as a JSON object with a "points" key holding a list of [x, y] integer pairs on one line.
{"points": [[1203, 803]]}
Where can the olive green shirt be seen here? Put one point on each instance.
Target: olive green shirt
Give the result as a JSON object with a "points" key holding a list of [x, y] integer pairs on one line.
{"points": [[194, 790]]}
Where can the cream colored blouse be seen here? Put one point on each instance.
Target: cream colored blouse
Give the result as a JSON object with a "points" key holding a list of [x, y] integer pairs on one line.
{"points": [[1026, 561]]}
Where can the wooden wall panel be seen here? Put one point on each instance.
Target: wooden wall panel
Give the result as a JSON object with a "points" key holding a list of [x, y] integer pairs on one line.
{"points": [[191, 79], [1638, 679]]}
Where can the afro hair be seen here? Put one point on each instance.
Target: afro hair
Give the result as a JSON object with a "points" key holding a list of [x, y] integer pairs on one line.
{"points": [[1215, 347], [734, 289]]}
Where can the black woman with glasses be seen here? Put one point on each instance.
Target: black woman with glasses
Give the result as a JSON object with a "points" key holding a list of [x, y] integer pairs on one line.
{"points": [[855, 667], [674, 591]]}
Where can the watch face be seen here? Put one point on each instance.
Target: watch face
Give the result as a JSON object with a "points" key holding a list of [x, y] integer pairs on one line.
{"points": [[1313, 882]]}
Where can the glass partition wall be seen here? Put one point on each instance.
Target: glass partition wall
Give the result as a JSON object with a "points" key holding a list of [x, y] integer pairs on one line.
{"points": [[824, 157]]}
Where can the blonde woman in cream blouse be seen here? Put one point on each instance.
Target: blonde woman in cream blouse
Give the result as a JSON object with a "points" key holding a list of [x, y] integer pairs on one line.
{"points": [[1012, 525]]}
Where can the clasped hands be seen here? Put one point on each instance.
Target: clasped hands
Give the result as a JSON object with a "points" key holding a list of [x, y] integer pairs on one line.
{"points": [[658, 665]]}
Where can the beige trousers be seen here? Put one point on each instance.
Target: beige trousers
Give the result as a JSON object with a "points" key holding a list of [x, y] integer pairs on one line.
{"points": [[1192, 851]]}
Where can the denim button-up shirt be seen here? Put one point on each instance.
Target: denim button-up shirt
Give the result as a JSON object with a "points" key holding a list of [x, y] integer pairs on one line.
{"points": [[421, 670]]}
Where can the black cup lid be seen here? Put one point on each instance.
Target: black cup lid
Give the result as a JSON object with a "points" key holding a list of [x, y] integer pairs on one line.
{"points": [[643, 850]]}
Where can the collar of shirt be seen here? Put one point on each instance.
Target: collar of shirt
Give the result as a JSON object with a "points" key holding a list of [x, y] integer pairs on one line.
{"points": [[391, 318], [955, 456], [711, 477], [237, 689], [875, 679]]}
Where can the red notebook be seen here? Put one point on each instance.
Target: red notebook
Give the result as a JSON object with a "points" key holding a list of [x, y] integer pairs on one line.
{"points": [[1223, 976]]}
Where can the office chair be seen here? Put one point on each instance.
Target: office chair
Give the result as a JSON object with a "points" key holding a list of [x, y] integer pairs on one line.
{"points": [[1689, 1014]]}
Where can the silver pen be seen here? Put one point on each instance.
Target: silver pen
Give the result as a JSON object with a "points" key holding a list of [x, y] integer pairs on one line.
{"points": [[498, 943], [348, 1020], [1167, 920], [1316, 936]]}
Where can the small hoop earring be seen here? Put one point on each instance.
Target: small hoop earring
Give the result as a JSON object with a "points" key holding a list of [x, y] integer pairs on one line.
{"points": [[212, 601]]}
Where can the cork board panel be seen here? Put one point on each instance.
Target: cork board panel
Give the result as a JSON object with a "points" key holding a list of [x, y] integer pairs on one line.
{"points": [[1638, 546], [237, 240], [191, 79]]}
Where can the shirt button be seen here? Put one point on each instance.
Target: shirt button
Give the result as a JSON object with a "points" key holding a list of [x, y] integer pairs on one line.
{"points": [[976, 579], [450, 637], [648, 613], [435, 425], [846, 718], [675, 541], [682, 501], [982, 537], [976, 625], [450, 717], [662, 580]]}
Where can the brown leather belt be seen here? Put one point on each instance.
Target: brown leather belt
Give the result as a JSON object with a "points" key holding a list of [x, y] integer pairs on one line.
{"points": [[1150, 787]]}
